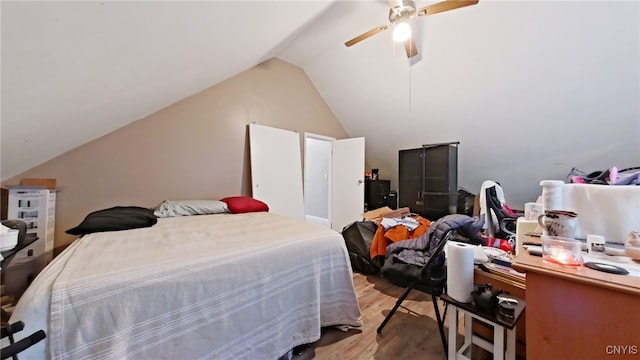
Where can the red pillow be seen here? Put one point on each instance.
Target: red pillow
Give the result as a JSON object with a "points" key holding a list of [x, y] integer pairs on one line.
{"points": [[244, 204]]}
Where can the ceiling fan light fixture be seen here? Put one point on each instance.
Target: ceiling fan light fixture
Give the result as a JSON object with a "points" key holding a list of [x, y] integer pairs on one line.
{"points": [[401, 31], [403, 11]]}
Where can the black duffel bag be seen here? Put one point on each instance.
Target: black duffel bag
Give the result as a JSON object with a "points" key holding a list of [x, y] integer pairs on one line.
{"points": [[358, 237]]}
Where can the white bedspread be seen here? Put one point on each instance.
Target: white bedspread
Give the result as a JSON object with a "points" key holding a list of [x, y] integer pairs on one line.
{"points": [[244, 286]]}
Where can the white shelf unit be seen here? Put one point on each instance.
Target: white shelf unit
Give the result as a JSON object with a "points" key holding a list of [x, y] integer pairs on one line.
{"points": [[36, 207]]}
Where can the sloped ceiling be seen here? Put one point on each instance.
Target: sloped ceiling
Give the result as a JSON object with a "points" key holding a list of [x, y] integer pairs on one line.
{"points": [[74, 71], [530, 88]]}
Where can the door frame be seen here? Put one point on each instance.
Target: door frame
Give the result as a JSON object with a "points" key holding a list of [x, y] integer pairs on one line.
{"points": [[308, 160]]}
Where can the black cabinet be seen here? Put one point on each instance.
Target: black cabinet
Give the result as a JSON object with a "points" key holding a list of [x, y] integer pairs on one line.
{"points": [[428, 180], [377, 194]]}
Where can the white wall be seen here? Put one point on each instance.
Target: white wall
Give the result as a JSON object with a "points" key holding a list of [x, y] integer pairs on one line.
{"points": [[195, 149]]}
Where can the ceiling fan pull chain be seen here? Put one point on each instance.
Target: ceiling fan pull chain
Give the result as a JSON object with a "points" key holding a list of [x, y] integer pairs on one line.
{"points": [[410, 86]]}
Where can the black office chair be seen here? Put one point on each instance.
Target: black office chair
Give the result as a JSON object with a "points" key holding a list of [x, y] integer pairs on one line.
{"points": [[431, 278], [506, 228], [11, 350], [23, 241]]}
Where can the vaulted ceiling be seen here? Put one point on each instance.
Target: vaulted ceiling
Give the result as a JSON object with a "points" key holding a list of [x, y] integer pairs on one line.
{"points": [[529, 88]]}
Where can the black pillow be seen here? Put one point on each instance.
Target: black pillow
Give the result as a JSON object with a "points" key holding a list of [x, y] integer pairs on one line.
{"points": [[114, 219]]}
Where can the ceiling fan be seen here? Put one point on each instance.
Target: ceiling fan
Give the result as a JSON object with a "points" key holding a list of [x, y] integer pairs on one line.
{"points": [[401, 12]]}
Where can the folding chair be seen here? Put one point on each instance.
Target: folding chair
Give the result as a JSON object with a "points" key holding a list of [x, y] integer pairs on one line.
{"points": [[432, 280]]}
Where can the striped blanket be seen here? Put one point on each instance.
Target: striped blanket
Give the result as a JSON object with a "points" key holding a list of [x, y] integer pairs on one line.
{"points": [[242, 286]]}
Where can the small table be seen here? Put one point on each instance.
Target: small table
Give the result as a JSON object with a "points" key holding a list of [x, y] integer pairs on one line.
{"points": [[499, 323]]}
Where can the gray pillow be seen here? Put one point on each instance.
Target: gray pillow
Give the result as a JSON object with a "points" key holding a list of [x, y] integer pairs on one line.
{"points": [[170, 208]]}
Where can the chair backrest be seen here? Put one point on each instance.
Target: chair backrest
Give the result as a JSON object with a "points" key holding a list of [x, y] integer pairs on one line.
{"points": [[437, 258], [500, 223]]}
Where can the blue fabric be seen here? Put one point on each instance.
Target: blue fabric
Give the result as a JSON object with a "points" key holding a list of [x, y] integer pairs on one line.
{"points": [[419, 250]]}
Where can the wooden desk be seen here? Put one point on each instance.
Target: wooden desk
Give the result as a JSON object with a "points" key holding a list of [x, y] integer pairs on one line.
{"points": [[579, 313]]}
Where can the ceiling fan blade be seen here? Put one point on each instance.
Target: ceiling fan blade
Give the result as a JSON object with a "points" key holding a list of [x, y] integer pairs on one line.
{"points": [[445, 6], [410, 47], [369, 33]]}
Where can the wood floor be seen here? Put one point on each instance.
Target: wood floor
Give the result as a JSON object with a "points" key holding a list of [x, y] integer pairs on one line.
{"points": [[408, 335]]}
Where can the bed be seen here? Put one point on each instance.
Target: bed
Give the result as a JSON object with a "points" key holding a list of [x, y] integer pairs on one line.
{"points": [[224, 286]]}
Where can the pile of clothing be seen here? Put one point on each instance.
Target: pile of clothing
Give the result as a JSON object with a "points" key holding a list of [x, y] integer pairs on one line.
{"points": [[408, 238], [418, 251], [405, 259], [391, 230]]}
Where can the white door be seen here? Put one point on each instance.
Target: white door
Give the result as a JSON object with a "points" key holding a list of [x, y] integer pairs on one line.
{"points": [[347, 193], [276, 169]]}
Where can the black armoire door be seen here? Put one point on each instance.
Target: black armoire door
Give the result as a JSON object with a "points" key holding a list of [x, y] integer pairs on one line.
{"points": [[410, 179], [440, 180]]}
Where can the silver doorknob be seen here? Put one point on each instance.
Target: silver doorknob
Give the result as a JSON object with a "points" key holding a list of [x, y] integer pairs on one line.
{"points": [[360, 181]]}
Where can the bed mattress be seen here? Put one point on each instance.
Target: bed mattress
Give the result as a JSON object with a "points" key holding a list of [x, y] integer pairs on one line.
{"points": [[226, 286]]}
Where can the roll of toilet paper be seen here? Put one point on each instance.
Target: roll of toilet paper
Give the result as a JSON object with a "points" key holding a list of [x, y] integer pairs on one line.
{"points": [[460, 271], [552, 194]]}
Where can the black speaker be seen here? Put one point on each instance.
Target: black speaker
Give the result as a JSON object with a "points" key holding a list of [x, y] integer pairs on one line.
{"points": [[376, 193], [392, 200]]}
